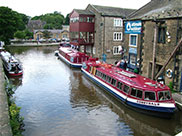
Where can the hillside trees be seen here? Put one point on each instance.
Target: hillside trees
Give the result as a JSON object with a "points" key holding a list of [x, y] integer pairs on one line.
{"points": [[10, 22], [53, 20]]}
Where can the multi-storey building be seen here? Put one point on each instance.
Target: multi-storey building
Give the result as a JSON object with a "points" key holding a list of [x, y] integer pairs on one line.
{"points": [[82, 29], [103, 27], [161, 30]]}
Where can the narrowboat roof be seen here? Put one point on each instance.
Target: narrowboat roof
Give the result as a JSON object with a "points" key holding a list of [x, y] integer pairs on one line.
{"points": [[131, 79], [72, 52]]}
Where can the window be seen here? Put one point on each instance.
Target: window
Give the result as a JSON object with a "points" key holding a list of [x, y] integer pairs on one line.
{"points": [[164, 95], [136, 93], [116, 50], [108, 79], [150, 96], [117, 36], [118, 22], [133, 40], [90, 19], [162, 35], [119, 85], [126, 88], [113, 82]]}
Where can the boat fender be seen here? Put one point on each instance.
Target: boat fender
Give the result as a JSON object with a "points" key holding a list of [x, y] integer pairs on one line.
{"points": [[169, 73]]}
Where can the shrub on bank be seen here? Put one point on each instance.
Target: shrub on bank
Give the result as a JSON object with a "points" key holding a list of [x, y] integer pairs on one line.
{"points": [[16, 121]]}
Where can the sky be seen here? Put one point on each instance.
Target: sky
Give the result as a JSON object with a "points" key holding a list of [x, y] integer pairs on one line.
{"points": [[38, 7]]}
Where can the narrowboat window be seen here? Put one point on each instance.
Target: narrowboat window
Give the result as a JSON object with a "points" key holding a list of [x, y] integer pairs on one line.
{"points": [[90, 69], [113, 82], [108, 79], [136, 93], [104, 77], [133, 92], [149, 96], [139, 94], [99, 73], [164, 95], [126, 88], [119, 85]]}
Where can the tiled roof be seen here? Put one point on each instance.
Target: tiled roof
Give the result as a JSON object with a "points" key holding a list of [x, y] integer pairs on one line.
{"points": [[159, 9], [83, 12], [113, 11]]}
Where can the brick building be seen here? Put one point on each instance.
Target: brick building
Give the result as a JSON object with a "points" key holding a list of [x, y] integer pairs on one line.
{"points": [[161, 30]]}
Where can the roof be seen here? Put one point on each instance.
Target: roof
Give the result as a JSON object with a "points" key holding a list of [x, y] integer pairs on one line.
{"points": [[83, 12], [112, 11], [158, 9], [50, 30]]}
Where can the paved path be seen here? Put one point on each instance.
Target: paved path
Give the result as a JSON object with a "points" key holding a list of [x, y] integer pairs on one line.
{"points": [[5, 129]]}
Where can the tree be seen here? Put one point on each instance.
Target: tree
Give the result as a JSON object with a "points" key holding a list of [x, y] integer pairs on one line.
{"points": [[53, 20], [10, 22], [19, 35], [28, 34], [67, 20], [46, 34]]}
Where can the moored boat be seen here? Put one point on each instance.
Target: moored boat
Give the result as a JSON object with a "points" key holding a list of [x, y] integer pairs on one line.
{"points": [[133, 90], [71, 56], [11, 65]]}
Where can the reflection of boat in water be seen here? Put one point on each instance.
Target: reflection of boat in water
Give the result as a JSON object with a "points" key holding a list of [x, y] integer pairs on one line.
{"points": [[140, 93], [71, 56], [11, 65]]}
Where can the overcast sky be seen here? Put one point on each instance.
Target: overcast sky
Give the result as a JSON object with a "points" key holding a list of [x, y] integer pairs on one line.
{"points": [[38, 7]]}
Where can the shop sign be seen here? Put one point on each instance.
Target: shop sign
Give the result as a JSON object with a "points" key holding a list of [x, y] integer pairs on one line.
{"points": [[133, 27]]}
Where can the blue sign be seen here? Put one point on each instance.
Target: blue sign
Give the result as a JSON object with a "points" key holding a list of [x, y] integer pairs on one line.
{"points": [[133, 50], [133, 27]]}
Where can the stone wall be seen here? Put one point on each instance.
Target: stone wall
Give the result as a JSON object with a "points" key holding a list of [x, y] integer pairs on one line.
{"points": [[163, 51], [5, 128]]}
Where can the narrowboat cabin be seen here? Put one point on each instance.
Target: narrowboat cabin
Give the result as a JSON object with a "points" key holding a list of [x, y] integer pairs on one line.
{"points": [[135, 91], [11, 65], [72, 57]]}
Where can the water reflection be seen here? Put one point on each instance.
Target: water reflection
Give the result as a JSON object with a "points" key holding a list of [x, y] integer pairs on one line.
{"points": [[57, 100]]}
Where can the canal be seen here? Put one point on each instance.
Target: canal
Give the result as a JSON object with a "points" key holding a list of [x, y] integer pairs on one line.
{"points": [[56, 100]]}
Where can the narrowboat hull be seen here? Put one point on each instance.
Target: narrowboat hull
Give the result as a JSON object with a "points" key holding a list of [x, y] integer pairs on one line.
{"points": [[150, 108], [73, 65], [12, 66]]}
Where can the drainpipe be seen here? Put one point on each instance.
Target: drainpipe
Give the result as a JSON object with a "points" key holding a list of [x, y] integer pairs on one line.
{"points": [[154, 51]]}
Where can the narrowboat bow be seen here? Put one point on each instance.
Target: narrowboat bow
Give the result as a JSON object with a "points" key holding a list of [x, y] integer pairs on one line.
{"points": [[72, 57], [11, 65], [135, 91]]}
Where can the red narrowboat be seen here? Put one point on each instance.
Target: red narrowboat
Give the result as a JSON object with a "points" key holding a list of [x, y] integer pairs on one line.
{"points": [[72, 57], [133, 90]]}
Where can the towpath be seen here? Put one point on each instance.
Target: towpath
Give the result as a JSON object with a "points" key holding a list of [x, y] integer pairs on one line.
{"points": [[5, 128]]}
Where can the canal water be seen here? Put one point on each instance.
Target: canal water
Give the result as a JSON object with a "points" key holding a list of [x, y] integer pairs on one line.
{"points": [[56, 100]]}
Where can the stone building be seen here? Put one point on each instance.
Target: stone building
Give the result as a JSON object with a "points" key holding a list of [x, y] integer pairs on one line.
{"points": [[107, 29], [161, 30], [54, 34], [35, 24]]}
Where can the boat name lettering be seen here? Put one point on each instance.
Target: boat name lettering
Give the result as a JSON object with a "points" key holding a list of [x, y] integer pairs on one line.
{"points": [[148, 103]]}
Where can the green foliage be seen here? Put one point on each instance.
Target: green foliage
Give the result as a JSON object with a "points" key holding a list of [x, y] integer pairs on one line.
{"points": [[23, 34], [53, 20], [28, 34], [46, 34], [171, 87], [16, 120], [19, 34], [67, 20], [10, 22]]}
